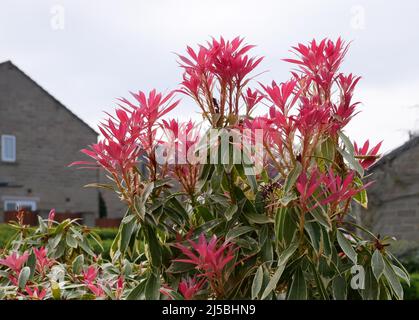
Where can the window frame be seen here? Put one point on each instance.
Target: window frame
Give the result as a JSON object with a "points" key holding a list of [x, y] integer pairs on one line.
{"points": [[27, 203], [4, 157]]}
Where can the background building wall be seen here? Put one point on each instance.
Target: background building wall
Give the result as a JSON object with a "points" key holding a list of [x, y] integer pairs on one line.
{"points": [[394, 197], [48, 138]]}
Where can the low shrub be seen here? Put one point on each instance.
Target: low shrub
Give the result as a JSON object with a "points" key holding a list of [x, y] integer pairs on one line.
{"points": [[408, 254], [60, 260], [412, 291], [6, 232], [106, 235]]}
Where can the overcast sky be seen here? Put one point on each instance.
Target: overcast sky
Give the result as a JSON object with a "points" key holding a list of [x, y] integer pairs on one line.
{"points": [[87, 53]]}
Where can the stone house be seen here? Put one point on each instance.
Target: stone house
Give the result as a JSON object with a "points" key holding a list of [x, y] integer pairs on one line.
{"points": [[393, 207], [39, 137]]}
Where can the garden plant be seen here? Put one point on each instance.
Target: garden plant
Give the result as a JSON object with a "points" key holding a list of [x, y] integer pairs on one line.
{"points": [[255, 202]]}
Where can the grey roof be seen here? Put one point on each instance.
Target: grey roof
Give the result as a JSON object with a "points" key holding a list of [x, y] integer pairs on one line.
{"points": [[413, 142], [10, 64]]}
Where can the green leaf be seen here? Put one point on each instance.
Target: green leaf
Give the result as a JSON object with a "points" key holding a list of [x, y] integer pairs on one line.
{"points": [[70, 240], [251, 178], [384, 292], [152, 287], [42, 225], [231, 211], [178, 207], [371, 286], [347, 247], [77, 265], [206, 227], [100, 186], [127, 269], [32, 264], [267, 249], [139, 207], [273, 281], [247, 243], [179, 267], [205, 213], [220, 199], [147, 191], [284, 227], [206, 170], [314, 232], [327, 245], [257, 282], [127, 229], [153, 246], [55, 290], [393, 280], [237, 232], [321, 216], [352, 162], [319, 282], [85, 246], [401, 274], [128, 218], [282, 262], [24, 277], [115, 244], [377, 264], [292, 177], [257, 218], [53, 242], [328, 149], [298, 289], [399, 264], [339, 288], [162, 182], [347, 143], [137, 293], [361, 197], [287, 198], [288, 252]]}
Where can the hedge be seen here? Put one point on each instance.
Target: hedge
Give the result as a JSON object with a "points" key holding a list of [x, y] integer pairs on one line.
{"points": [[106, 234], [412, 292]]}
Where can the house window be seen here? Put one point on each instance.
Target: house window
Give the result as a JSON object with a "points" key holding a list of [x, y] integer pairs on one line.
{"points": [[8, 148], [13, 205]]}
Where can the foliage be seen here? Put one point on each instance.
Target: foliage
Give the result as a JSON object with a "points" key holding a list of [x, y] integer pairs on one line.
{"points": [[412, 290], [257, 210], [106, 236], [57, 261], [6, 232], [408, 253]]}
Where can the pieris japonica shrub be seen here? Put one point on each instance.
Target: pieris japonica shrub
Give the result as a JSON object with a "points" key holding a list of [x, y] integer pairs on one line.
{"points": [[56, 261], [254, 202]]}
